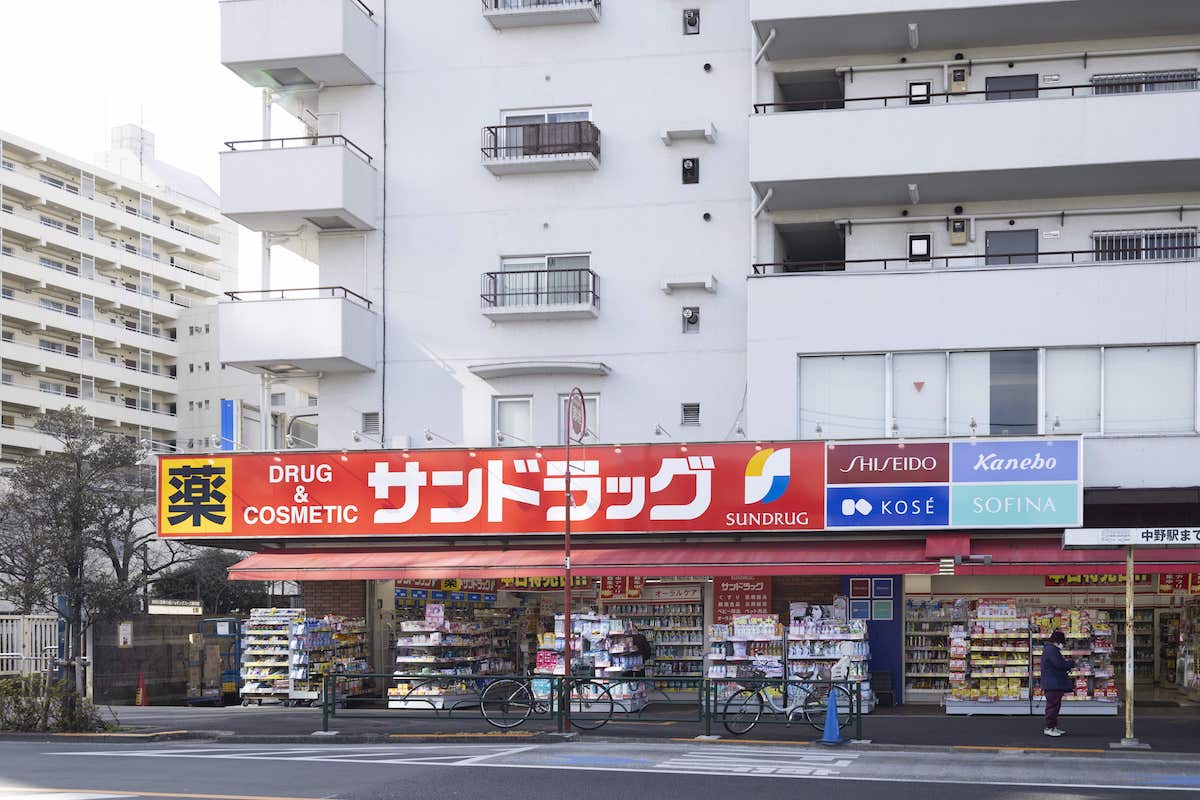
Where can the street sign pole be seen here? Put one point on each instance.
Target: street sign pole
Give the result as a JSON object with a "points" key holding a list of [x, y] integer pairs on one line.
{"points": [[1129, 740], [576, 428]]}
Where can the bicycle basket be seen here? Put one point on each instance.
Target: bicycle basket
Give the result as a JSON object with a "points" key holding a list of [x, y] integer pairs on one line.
{"points": [[746, 671]]}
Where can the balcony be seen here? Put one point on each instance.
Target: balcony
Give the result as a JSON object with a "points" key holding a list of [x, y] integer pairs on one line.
{"points": [[820, 28], [280, 44], [541, 147], [279, 185], [528, 13], [329, 329], [1044, 146], [540, 294]]}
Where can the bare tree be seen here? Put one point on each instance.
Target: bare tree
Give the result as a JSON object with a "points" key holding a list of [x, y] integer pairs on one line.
{"points": [[89, 508], [26, 574]]}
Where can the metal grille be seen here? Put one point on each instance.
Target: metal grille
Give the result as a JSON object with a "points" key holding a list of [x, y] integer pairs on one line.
{"points": [[27, 643], [371, 424], [1158, 244], [689, 414], [1133, 82]]}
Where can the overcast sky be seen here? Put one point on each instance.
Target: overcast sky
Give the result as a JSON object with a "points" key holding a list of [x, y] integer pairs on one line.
{"points": [[75, 68]]}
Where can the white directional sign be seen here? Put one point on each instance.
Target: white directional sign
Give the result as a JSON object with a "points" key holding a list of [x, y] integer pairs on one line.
{"points": [[1082, 538]]}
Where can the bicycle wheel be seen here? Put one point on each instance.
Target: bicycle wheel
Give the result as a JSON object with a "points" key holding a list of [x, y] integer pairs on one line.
{"points": [[742, 711], [591, 705], [816, 706], [506, 703]]}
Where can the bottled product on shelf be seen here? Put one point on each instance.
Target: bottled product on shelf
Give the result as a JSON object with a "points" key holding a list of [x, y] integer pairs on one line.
{"points": [[1188, 670], [927, 647], [676, 634], [815, 646], [1168, 647], [1089, 643], [438, 660], [1143, 645], [266, 650], [749, 645], [320, 647]]}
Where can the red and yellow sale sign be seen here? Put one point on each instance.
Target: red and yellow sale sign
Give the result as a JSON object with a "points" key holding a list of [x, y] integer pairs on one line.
{"points": [[725, 486]]}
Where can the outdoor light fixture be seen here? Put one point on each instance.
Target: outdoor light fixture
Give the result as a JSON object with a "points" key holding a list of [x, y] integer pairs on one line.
{"points": [[659, 430], [914, 194], [914, 36]]}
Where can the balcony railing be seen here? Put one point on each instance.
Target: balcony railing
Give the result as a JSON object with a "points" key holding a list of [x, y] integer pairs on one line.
{"points": [[1181, 251], [99, 276], [540, 140], [1101, 88], [300, 294], [507, 5], [299, 141], [72, 351], [540, 288]]}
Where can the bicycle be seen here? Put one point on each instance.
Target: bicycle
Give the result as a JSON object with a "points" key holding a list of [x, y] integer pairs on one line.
{"points": [[744, 707], [509, 702]]}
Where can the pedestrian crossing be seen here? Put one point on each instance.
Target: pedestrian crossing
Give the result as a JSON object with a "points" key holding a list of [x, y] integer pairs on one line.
{"points": [[759, 762]]}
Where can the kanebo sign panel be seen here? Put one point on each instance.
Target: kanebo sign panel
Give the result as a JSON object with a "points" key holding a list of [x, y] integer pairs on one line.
{"points": [[724, 486], [1108, 538]]}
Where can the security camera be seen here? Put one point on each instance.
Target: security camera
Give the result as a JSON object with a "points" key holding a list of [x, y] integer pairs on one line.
{"points": [[355, 436], [428, 435], [499, 435]]}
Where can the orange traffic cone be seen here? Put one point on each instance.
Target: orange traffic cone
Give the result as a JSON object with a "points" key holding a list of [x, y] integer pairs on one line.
{"points": [[141, 699]]}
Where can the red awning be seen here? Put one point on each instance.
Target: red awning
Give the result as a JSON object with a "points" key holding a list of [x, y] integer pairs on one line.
{"points": [[649, 560], [1012, 556]]}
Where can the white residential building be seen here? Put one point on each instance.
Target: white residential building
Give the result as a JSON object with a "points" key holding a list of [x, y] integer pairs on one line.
{"points": [[110, 277], [760, 218]]}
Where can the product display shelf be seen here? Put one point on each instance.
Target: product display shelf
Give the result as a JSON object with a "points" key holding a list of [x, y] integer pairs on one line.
{"points": [[602, 648], [676, 634], [989, 661], [814, 648], [748, 643], [927, 626], [1089, 634], [1188, 671], [1143, 645], [266, 650], [1168, 648], [437, 662]]}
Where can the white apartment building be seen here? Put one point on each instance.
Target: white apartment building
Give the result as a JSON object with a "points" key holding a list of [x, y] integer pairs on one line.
{"points": [[109, 278], [747, 218]]}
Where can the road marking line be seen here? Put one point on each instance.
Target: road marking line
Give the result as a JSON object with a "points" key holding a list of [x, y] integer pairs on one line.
{"points": [[510, 751], [122, 735], [492, 735], [1030, 749], [152, 793], [741, 741]]}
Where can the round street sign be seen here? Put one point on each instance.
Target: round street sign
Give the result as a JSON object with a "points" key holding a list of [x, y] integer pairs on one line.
{"points": [[576, 415]]}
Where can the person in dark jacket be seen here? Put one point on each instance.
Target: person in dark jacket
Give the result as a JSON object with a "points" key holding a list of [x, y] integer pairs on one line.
{"points": [[1055, 680]]}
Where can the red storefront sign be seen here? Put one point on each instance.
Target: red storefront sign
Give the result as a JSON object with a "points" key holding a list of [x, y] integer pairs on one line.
{"points": [[637, 488], [1111, 579], [915, 462], [736, 595], [546, 583], [449, 584], [1172, 582], [621, 588]]}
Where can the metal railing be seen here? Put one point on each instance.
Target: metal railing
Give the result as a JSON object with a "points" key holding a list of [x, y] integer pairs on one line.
{"points": [[285, 142], [98, 276], [702, 701], [74, 311], [1122, 255], [512, 5], [540, 288], [1106, 88], [109, 361], [540, 140], [305, 293]]}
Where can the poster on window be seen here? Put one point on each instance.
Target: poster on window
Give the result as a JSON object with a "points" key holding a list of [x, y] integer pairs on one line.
{"points": [[737, 595], [621, 588]]}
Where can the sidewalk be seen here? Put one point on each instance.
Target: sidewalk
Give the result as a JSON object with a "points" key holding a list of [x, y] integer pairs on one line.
{"points": [[1166, 730]]}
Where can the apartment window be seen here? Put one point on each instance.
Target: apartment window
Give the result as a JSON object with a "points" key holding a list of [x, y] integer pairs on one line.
{"points": [[920, 247], [841, 396], [1151, 244], [87, 387], [1150, 389], [371, 423], [191, 369], [513, 418], [145, 400], [49, 387], [1072, 390], [277, 398], [312, 398], [919, 394], [145, 246], [689, 414], [544, 280], [87, 185], [206, 404], [53, 305], [206, 327], [146, 207], [87, 267], [993, 392], [919, 92], [1133, 82], [1011, 87], [87, 347], [207, 366], [191, 443], [6, 336], [591, 405], [191, 405], [50, 345], [52, 263], [87, 226]]}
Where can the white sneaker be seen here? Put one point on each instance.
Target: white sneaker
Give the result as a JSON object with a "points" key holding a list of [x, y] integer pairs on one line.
{"points": [[1053, 732]]}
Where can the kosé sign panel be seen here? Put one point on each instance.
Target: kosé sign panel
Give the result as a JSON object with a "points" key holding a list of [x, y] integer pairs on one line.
{"points": [[887, 506]]}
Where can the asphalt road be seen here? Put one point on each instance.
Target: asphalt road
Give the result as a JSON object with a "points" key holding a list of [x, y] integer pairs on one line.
{"points": [[61, 770]]}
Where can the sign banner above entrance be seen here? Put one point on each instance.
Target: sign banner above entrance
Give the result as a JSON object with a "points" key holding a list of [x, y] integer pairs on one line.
{"points": [[1107, 538], [675, 488]]}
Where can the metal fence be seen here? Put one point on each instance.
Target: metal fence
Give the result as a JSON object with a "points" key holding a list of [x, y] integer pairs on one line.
{"points": [[588, 704], [542, 287], [27, 643]]}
